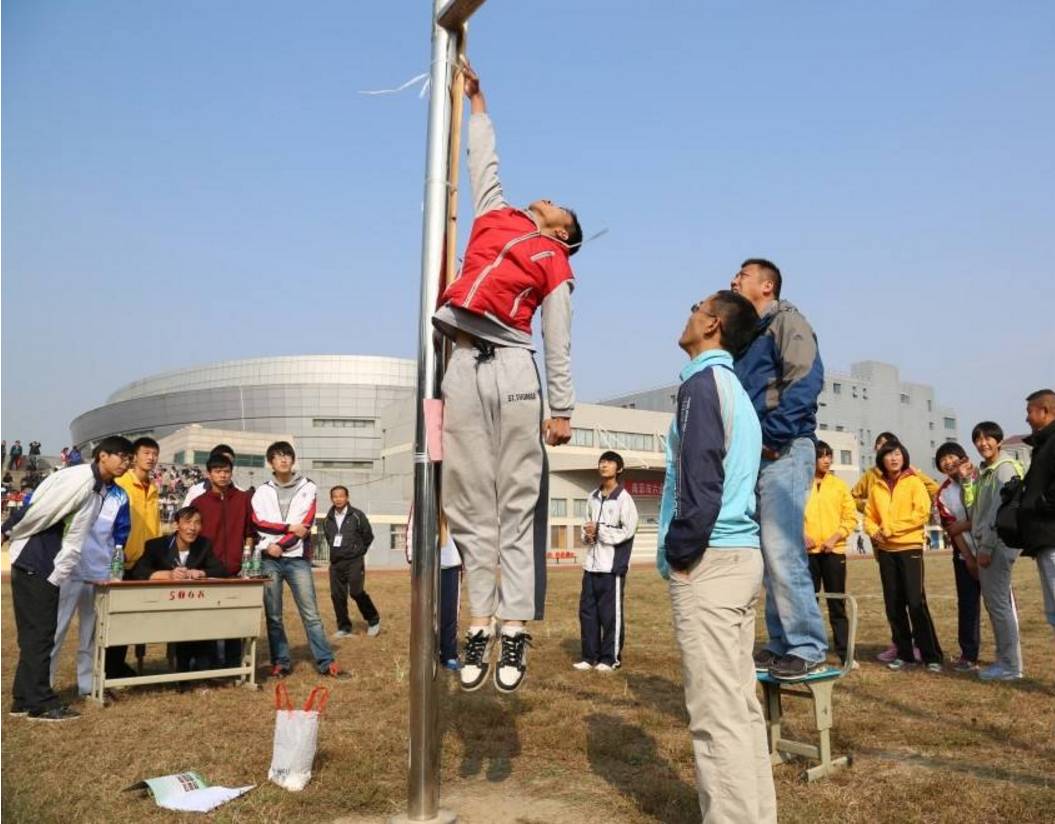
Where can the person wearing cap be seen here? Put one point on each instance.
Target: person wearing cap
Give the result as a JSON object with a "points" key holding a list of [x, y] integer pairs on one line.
{"points": [[609, 537]]}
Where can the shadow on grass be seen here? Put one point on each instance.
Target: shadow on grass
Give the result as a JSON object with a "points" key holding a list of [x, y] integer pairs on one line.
{"points": [[998, 734], [487, 727], [626, 757], [660, 693], [985, 771], [572, 647]]}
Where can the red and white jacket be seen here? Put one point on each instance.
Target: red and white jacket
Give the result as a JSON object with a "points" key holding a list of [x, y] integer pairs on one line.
{"points": [[509, 268], [510, 271], [273, 528]]}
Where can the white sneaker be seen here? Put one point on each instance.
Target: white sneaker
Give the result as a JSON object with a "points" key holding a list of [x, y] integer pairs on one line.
{"points": [[512, 661], [604, 668], [476, 658], [374, 629], [342, 633], [582, 666]]}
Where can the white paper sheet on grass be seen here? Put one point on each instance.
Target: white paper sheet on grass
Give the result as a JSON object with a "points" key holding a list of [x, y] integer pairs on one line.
{"points": [[188, 792], [203, 800]]}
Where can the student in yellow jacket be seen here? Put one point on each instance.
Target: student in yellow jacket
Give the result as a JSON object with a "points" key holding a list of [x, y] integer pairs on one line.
{"points": [[865, 482], [146, 525], [830, 518], [895, 519]]}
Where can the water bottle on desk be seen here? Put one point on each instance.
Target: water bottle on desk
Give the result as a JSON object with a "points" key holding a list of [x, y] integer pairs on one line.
{"points": [[258, 563], [117, 564], [247, 561]]}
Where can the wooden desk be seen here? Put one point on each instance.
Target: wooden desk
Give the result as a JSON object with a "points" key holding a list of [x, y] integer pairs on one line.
{"points": [[144, 612]]}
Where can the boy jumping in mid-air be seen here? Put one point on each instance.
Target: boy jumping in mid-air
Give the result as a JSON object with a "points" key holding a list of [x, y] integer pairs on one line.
{"points": [[495, 477]]}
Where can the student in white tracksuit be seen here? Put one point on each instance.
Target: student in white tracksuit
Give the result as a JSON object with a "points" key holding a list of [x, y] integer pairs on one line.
{"points": [[609, 536], [77, 595]]}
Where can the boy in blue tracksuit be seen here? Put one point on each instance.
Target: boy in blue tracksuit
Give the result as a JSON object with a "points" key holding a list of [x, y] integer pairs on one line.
{"points": [[709, 552]]}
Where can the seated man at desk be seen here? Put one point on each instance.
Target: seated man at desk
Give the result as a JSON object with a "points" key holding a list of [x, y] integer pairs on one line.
{"points": [[183, 556]]}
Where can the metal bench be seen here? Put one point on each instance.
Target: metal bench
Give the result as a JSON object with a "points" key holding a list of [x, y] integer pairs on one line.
{"points": [[818, 688]]}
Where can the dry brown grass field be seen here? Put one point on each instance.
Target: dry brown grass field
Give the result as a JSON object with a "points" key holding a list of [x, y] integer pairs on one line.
{"points": [[570, 746]]}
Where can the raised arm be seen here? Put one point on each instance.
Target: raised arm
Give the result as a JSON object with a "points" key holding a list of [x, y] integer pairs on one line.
{"points": [[483, 159]]}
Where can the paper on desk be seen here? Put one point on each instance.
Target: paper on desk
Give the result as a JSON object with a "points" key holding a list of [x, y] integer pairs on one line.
{"points": [[188, 792]]}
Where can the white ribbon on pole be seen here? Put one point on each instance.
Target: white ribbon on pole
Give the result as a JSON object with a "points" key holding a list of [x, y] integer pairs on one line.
{"points": [[424, 76]]}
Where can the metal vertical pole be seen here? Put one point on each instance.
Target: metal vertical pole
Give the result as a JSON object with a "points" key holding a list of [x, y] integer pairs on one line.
{"points": [[423, 786]]}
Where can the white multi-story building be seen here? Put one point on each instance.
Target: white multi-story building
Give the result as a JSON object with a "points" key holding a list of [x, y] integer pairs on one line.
{"points": [[870, 399]]}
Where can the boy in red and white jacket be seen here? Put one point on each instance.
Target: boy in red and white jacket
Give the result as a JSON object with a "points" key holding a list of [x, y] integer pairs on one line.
{"points": [[495, 475], [283, 514]]}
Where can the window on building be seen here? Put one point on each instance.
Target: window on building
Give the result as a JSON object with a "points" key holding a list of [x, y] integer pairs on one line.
{"points": [[905, 398], [846, 457], [864, 392], [840, 428], [637, 441], [837, 388], [180, 457], [581, 436], [629, 406], [950, 439], [250, 460], [334, 464], [824, 427], [558, 507], [930, 406], [950, 423], [580, 508], [853, 391], [932, 444], [343, 423], [558, 537], [576, 538], [673, 399], [930, 425], [397, 538]]}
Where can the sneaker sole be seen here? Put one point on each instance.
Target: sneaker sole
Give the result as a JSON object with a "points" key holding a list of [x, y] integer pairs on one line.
{"points": [[474, 687], [509, 690], [53, 720]]}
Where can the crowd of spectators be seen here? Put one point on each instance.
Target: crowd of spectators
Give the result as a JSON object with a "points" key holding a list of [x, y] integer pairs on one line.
{"points": [[173, 482]]}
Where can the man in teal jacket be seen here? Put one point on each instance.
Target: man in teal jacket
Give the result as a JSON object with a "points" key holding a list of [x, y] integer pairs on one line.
{"points": [[709, 552]]}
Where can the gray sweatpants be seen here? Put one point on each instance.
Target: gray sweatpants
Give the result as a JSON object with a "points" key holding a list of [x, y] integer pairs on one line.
{"points": [[1000, 604], [495, 480]]}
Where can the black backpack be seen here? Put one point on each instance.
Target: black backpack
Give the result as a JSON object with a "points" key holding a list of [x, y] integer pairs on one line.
{"points": [[1007, 514]]}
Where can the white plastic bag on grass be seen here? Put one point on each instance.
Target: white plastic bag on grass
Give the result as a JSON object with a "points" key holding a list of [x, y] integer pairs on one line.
{"points": [[296, 738]]}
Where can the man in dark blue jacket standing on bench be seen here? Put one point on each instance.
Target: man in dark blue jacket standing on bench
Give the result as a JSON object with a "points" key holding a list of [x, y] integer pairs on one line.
{"points": [[782, 373]]}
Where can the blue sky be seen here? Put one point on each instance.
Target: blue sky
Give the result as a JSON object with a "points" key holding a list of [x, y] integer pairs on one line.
{"points": [[197, 181]]}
